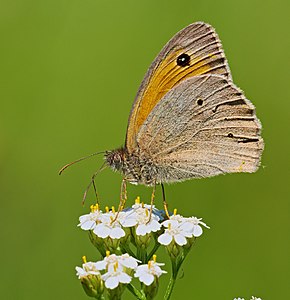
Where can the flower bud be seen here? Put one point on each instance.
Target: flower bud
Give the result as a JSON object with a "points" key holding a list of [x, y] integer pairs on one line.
{"points": [[143, 241], [190, 242], [174, 250], [111, 244], [93, 286], [90, 278], [98, 243], [116, 293], [151, 290]]}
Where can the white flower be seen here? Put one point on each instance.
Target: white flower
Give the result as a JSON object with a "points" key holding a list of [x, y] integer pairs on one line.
{"points": [[148, 272], [88, 268], [115, 276], [253, 298], [194, 222], [109, 227], [123, 261], [141, 207], [128, 261], [177, 217], [140, 217], [175, 231], [89, 221]]}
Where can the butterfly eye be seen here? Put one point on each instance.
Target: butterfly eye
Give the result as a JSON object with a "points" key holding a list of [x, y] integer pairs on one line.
{"points": [[183, 60], [230, 135]]}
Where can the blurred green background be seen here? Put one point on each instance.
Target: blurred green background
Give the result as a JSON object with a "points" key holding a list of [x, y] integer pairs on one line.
{"points": [[69, 73]]}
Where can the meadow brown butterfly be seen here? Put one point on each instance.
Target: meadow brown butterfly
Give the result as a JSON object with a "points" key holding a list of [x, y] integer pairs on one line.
{"points": [[188, 120]]}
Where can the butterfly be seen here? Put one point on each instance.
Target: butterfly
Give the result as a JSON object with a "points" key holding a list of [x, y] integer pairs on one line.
{"points": [[188, 120]]}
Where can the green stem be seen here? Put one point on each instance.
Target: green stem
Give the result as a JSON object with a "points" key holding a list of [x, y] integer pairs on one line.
{"points": [[142, 254], [153, 251], [125, 248], [175, 264], [139, 295], [169, 288]]}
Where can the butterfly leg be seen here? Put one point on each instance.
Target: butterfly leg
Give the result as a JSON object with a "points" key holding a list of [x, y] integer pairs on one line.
{"points": [[165, 205], [152, 202], [92, 183], [123, 195], [123, 198]]}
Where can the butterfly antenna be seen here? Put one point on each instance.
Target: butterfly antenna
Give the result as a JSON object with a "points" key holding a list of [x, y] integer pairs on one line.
{"points": [[78, 160]]}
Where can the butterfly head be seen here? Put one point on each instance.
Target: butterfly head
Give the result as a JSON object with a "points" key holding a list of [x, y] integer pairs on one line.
{"points": [[116, 158]]}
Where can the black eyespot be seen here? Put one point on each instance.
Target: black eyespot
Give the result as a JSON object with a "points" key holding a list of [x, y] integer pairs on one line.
{"points": [[230, 135], [183, 60], [199, 101]]}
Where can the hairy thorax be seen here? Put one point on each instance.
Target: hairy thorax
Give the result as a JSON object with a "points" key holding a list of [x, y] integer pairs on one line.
{"points": [[136, 170]]}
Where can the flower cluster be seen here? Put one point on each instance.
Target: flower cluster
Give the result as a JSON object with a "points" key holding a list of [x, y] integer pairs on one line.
{"points": [[179, 228], [128, 240], [115, 272], [253, 298], [142, 220]]}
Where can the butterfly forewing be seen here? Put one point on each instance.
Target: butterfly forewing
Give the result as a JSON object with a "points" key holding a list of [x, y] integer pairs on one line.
{"points": [[203, 127], [193, 51]]}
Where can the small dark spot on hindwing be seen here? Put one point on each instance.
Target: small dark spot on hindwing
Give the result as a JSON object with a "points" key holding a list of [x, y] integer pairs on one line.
{"points": [[248, 140], [199, 101]]}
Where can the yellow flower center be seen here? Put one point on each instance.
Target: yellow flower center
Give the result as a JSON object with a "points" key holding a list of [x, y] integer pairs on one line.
{"points": [[146, 212], [137, 200], [116, 266]]}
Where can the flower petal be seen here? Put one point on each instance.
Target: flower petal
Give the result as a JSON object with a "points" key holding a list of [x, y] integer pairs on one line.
{"points": [[102, 231], [146, 278], [117, 233], [187, 226], [112, 282], [165, 239], [124, 278], [81, 272], [173, 223], [155, 225], [88, 225], [142, 229], [197, 231], [129, 262], [101, 265], [180, 239], [129, 222], [140, 269]]}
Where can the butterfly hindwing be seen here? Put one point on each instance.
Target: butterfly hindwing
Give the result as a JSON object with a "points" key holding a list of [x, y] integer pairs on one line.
{"points": [[203, 127]]}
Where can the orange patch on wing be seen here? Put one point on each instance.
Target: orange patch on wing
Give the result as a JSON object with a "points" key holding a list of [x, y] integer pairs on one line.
{"points": [[168, 75], [165, 77]]}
